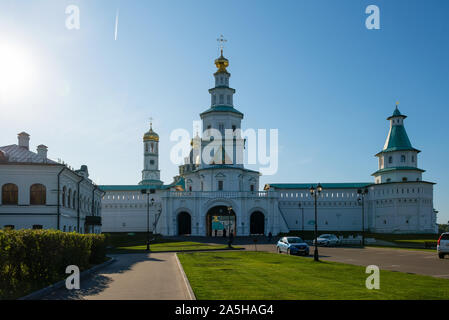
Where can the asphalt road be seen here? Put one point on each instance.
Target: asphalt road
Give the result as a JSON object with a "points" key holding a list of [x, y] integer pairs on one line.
{"points": [[411, 261]]}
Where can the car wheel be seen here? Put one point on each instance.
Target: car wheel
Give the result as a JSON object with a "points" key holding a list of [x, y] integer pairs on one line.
{"points": [[278, 250], [441, 255]]}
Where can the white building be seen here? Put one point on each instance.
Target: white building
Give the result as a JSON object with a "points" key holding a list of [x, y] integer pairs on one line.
{"points": [[221, 194], [37, 192]]}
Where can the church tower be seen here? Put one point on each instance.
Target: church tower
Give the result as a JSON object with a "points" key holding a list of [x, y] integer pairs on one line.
{"points": [[151, 173], [224, 119], [398, 161]]}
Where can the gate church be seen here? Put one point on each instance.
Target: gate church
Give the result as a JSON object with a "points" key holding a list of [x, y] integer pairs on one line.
{"points": [[223, 195]]}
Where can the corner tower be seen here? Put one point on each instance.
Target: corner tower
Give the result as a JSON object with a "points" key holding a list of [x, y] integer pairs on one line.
{"points": [[398, 160], [151, 173]]}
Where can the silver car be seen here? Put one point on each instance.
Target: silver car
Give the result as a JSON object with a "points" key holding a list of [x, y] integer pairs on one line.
{"points": [[327, 240], [443, 245]]}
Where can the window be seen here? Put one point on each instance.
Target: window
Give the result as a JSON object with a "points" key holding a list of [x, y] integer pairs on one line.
{"points": [[69, 198], [252, 188], [146, 147], [64, 191], [74, 200], [404, 179], [390, 159], [10, 194], [221, 97], [38, 194], [151, 161], [413, 158], [402, 158], [228, 99], [214, 99], [220, 185], [234, 127], [190, 188]]}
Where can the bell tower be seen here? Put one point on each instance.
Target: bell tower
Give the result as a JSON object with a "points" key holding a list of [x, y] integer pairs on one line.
{"points": [[151, 173]]}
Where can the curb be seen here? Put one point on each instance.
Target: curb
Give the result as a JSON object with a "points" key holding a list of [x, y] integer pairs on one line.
{"points": [[186, 281], [36, 295], [182, 251]]}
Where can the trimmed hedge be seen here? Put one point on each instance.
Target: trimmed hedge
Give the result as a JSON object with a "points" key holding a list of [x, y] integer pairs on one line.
{"points": [[33, 259]]}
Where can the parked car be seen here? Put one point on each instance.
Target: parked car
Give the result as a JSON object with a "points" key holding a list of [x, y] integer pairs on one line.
{"points": [[443, 245], [327, 240], [292, 245]]}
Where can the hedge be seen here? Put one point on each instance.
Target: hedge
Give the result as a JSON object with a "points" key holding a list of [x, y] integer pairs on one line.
{"points": [[33, 259]]}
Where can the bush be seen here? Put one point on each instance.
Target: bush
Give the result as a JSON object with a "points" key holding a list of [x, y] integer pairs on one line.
{"points": [[32, 259]]}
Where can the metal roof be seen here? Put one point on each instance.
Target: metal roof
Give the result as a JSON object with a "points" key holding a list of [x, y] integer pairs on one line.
{"points": [[344, 185], [16, 154]]}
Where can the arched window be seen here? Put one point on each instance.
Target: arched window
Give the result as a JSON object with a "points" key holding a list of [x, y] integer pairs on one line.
{"points": [[38, 194], [74, 200], [390, 159], [69, 198], [404, 179], [64, 193], [10, 194]]}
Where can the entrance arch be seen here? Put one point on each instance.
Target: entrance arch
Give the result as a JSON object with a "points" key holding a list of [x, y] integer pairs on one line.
{"points": [[219, 218], [184, 223], [257, 223]]}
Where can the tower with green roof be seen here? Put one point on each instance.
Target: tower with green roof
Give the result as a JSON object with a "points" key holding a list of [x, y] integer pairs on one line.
{"points": [[398, 160]]}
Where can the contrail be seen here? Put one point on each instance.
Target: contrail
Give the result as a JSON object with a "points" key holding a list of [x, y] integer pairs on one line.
{"points": [[116, 26]]}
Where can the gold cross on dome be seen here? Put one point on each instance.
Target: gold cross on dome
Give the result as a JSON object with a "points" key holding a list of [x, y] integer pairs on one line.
{"points": [[221, 41], [151, 122]]}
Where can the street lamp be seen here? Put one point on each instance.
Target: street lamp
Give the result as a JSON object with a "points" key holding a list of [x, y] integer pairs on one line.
{"points": [[229, 226], [361, 199], [147, 192], [315, 193]]}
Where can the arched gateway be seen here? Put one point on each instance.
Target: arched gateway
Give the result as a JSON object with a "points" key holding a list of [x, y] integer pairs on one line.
{"points": [[184, 223], [257, 223], [219, 220]]}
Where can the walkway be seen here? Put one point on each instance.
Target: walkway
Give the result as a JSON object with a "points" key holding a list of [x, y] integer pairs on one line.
{"points": [[139, 276]]}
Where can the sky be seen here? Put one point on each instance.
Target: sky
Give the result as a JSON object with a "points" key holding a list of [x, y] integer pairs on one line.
{"points": [[310, 69]]}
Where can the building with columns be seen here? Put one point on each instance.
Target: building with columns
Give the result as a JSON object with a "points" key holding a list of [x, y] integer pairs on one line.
{"points": [[217, 194]]}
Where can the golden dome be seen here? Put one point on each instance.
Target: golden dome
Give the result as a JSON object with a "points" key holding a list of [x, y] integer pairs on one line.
{"points": [[222, 63], [151, 135]]}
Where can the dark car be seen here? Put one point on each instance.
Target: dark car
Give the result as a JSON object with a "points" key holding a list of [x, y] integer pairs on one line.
{"points": [[292, 245]]}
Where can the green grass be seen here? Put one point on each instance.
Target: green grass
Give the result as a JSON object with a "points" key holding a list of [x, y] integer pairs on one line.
{"points": [[262, 275], [168, 246]]}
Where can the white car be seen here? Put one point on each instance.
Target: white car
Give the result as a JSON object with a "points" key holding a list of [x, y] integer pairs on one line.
{"points": [[443, 245], [327, 240]]}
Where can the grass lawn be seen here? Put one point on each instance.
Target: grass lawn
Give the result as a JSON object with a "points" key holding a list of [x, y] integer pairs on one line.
{"points": [[263, 275], [168, 246]]}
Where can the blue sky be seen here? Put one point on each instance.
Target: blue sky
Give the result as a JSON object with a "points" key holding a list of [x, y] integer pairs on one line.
{"points": [[309, 68]]}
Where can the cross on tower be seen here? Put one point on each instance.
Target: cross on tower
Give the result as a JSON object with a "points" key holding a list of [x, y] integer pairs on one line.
{"points": [[151, 122], [221, 41]]}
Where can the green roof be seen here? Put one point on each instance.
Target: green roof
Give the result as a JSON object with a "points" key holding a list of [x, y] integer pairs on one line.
{"points": [[348, 185], [397, 139], [221, 108], [397, 168]]}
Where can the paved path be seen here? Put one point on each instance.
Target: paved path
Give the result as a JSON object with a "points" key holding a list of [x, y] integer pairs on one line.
{"points": [[411, 261], [139, 276]]}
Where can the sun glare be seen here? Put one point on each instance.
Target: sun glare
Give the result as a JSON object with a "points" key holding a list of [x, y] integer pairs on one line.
{"points": [[16, 72]]}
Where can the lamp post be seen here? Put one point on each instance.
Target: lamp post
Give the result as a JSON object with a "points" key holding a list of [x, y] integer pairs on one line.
{"points": [[361, 198], [315, 193], [229, 226], [147, 192]]}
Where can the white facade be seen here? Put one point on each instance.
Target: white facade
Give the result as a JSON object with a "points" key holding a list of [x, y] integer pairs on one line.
{"points": [[207, 192], [37, 192]]}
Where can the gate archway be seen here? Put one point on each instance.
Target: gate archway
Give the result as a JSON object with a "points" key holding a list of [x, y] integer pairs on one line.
{"points": [[184, 223], [257, 223], [220, 220]]}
